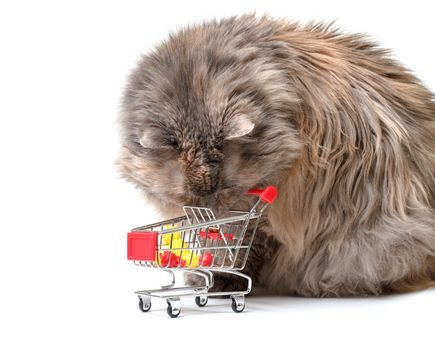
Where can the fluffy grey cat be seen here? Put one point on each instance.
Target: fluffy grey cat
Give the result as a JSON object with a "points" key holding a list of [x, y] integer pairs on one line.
{"points": [[346, 134]]}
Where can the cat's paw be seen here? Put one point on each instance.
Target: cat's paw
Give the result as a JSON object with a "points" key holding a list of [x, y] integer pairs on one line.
{"points": [[221, 282], [194, 280], [229, 283]]}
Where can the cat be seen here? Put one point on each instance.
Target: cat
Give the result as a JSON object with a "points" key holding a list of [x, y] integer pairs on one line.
{"points": [[346, 133]]}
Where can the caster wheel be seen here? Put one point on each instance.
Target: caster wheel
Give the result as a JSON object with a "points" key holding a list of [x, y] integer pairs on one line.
{"points": [[201, 301], [144, 306], [173, 310], [238, 303]]}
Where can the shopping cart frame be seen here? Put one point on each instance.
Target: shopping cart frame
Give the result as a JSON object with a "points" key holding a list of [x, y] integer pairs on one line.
{"points": [[243, 219]]}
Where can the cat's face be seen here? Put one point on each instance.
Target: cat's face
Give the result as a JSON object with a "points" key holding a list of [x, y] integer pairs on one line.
{"points": [[199, 128]]}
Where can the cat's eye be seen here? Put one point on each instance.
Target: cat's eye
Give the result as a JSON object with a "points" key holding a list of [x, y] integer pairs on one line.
{"points": [[153, 139], [171, 141], [214, 163]]}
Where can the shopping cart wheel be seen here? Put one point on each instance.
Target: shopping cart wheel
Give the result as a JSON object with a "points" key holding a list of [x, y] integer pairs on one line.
{"points": [[144, 304], [238, 303], [173, 308], [201, 300]]}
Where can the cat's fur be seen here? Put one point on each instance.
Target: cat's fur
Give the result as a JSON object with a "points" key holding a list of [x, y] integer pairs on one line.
{"points": [[346, 134]]}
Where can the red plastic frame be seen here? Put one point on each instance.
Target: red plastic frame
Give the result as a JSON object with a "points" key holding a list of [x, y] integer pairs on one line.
{"points": [[142, 246]]}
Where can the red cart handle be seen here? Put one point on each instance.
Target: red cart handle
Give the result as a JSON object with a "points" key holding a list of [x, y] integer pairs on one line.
{"points": [[267, 194]]}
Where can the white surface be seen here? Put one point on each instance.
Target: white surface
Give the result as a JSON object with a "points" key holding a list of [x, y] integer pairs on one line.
{"points": [[65, 281]]}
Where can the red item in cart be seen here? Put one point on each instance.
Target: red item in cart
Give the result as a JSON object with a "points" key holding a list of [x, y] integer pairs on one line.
{"points": [[169, 259], [215, 235], [206, 259]]}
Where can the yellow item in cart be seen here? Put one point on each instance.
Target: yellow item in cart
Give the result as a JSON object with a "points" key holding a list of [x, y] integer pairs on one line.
{"points": [[166, 238], [185, 254], [177, 243], [195, 262]]}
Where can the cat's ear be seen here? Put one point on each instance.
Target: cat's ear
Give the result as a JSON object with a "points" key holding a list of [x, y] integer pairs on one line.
{"points": [[239, 126], [153, 139]]}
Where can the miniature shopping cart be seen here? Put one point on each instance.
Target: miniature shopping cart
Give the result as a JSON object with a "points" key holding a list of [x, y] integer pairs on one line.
{"points": [[200, 244]]}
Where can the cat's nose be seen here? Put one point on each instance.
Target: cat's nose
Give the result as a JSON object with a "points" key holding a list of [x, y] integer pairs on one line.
{"points": [[202, 180], [202, 189]]}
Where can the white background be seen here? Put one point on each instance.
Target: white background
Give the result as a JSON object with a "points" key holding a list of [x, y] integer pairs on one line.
{"points": [[65, 282]]}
